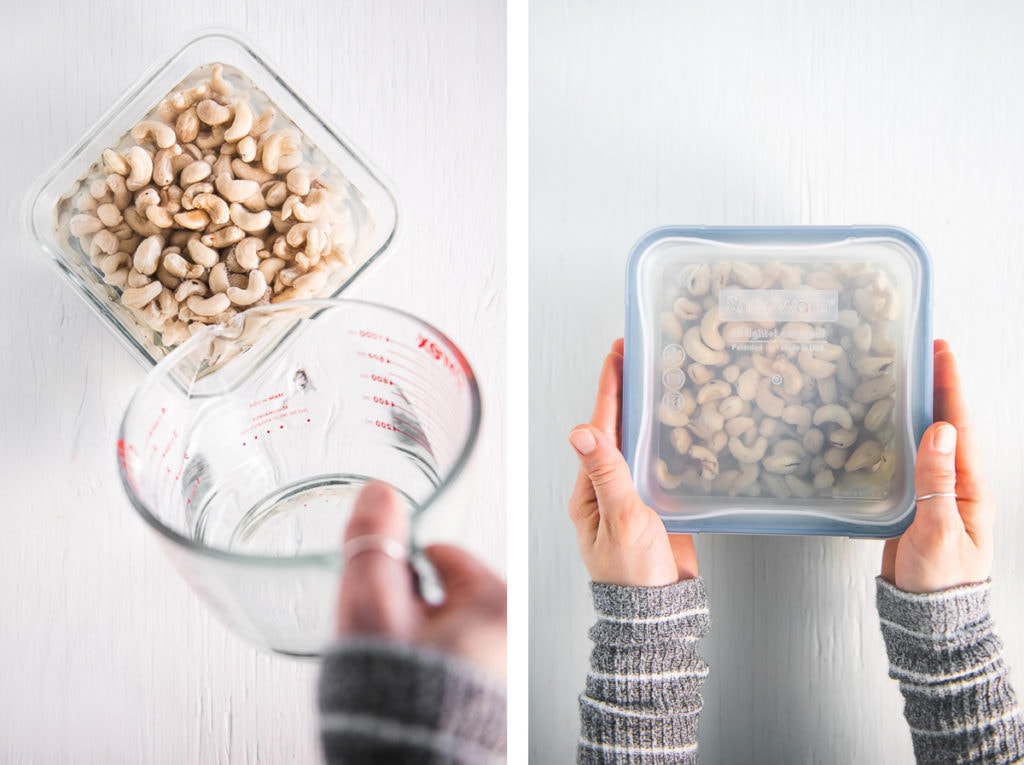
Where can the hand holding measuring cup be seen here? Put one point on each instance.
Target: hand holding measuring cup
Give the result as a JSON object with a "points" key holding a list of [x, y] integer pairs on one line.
{"points": [[378, 594], [950, 541], [622, 540]]}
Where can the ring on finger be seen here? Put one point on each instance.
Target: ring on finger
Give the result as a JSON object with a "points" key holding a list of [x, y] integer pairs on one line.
{"points": [[374, 543], [936, 494]]}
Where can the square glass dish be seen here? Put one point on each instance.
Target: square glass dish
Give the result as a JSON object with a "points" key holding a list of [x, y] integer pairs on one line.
{"points": [[160, 244], [778, 380]]}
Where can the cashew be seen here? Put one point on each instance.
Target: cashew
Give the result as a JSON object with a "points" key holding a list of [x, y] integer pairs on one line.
{"points": [[242, 124], [873, 366], [833, 413], [843, 438], [879, 414], [709, 330], [215, 208], [253, 291], [274, 145], [697, 280], [737, 426], [748, 384], [713, 391], [865, 455], [781, 464], [195, 172], [665, 479], [681, 440], [813, 441], [731, 407], [835, 457], [798, 416], [744, 453], [698, 373], [768, 402], [236, 190], [137, 297], [223, 237], [697, 350], [147, 255], [201, 254], [875, 388], [163, 135], [249, 221], [748, 475], [140, 163], [211, 306], [747, 274], [816, 368], [792, 380], [708, 461], [799, 487], [212, 113]]}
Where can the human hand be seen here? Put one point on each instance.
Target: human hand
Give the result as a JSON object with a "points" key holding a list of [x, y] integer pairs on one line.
{"points": [[621, 539], [378, 593], [950, 541]]}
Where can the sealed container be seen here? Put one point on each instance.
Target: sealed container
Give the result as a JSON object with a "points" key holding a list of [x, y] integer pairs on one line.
{"points": [[321, 214], [778, 380]]}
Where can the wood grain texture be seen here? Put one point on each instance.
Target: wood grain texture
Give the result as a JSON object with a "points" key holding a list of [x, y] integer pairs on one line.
{"points": [[110, 658], [758, 112]]}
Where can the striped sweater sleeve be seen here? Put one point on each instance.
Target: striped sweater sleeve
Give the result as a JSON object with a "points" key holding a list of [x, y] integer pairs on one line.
{"points": [[642, 697], [945, 653], [385, 702]]}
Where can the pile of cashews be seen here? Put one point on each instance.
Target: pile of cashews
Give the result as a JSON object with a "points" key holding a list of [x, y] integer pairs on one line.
{"points": [[786, 409], [209, 209]]}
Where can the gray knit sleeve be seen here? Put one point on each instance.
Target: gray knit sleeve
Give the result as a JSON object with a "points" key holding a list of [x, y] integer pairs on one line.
{"points": [[944, 651], [642, 697], [384, 702]]}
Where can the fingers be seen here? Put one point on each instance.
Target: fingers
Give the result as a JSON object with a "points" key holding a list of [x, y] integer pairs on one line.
{"points": [[463, 577], [606, 470], [976, 509], [376, 594], [608, 407], [935, 473], [685, 554]]}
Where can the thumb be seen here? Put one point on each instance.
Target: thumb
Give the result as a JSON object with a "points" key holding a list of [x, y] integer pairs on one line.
{"points": [[935, 473], [606, 468]]}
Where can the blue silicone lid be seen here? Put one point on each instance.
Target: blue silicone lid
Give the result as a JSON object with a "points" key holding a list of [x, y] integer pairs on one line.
{"points": [[778, 380]]}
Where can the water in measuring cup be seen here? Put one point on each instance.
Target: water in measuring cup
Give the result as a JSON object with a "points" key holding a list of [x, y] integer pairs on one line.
{"points": [[306, 517]]}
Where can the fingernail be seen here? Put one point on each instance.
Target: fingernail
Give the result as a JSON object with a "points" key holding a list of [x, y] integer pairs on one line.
{"points": [[944, 440], [373, 494], [583, 441]]}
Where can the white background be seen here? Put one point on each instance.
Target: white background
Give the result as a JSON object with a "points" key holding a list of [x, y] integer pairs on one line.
{"points": [[798, 112], [108, 656]]}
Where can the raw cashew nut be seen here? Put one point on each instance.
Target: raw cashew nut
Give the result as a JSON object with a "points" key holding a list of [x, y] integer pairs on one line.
{"points": [[234, 190], [140, 163], [696, 349], [211, 306], [744, 453], [254, 290], [163, 135], [249, 221], [713, 391], [138, 297], [833, 413]]}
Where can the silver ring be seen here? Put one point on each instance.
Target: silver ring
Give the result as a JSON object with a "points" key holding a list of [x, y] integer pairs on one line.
{"points": [[936, 494], [374, 543]]}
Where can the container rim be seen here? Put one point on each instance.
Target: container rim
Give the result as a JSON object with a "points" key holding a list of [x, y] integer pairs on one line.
{"points": [[334, 558]]}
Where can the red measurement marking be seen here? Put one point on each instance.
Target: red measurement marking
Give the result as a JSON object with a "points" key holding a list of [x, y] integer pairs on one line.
{"points": [[386, 426], [378, 357], [439, 355], [382, 380], [383, 401]]}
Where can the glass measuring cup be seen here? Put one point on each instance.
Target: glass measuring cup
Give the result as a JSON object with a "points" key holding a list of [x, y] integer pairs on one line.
{"points": [[246, 447]]}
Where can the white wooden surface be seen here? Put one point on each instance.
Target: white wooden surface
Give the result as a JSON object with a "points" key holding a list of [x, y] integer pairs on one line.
{"points": [[108, 656], [758, 112]]}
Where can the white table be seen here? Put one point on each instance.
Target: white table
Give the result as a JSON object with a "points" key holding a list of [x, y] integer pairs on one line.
{"points": [[109, 657], [761, 112]]}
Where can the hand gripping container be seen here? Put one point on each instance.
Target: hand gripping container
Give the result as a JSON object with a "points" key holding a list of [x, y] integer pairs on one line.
{"points": [[778, 380]]}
